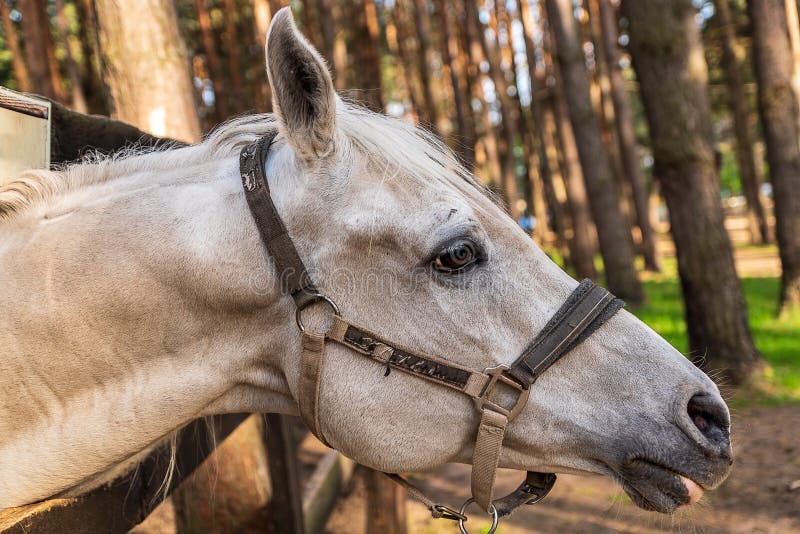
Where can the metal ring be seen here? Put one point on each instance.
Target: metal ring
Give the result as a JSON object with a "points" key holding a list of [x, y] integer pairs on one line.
{"points": [[492, 512], [319, 297]]}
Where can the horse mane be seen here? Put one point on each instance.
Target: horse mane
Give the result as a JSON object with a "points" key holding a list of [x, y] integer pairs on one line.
{"points": [[399, 148]]}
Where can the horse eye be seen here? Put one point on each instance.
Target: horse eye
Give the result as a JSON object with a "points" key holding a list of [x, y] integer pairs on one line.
{"points": [[456, 258]]}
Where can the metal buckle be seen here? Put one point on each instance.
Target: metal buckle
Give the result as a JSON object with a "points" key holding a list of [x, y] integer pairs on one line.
{"points": [[497, 373], [449, 513], [492, 512], [319, 297]]}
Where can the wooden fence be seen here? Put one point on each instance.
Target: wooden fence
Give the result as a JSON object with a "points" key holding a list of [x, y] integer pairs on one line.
{"points": [[126, 502]]}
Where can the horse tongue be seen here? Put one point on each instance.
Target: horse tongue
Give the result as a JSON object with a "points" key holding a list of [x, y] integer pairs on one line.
{"points": [[695, 491]]}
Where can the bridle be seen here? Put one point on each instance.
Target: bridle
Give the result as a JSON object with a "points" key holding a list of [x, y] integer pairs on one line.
{"points": [[500, 392]]}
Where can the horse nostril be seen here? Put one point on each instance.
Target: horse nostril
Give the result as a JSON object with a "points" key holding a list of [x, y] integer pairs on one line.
{"points": [[709, 415]]}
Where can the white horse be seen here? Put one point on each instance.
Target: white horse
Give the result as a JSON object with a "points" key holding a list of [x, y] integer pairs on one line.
{"points": [[137, 296]]}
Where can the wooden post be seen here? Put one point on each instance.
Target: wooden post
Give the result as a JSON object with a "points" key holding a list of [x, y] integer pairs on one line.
{"points": [[284, 512], [25, 130], [386, 504], [119, 506]]}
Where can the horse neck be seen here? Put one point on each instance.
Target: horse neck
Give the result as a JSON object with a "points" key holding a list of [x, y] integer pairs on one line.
{"points": [[127, 316]]}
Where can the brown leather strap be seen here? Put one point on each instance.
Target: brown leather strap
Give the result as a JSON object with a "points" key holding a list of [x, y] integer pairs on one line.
{"points": [[533, 489], [437, 510], [292, 273], [588, 307], [414, 362]]}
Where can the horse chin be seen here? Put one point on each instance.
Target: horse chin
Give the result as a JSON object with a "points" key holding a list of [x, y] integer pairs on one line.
{"points": [[652, 486]]}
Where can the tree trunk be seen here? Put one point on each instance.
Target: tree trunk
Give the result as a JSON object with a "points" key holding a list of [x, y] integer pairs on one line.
{"points": [[77, 98], [236, 97], [626, 135], [473, 45], [465, 141], [212, 59], [548, 161], [467, 74], [667, 54], [600, 93], [146, 68], [339, 45], [366, 55], [399, 50], [262, 15], [327, 27], [523, 120], [583, 242], [514, 133], [793, 26], [613, 230], [309, 26], [96, 94], [40, 54], [21, 74], [508, 126], [778, 105], [553, 182], [423, 29], [732, 64]]}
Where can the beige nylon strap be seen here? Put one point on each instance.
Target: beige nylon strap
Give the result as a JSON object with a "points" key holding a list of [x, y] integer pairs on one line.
{"points": [[486, 456], [416, 494], [312, 356]]}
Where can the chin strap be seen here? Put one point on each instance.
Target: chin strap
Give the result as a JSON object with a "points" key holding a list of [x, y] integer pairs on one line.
{"points": [[533, 489], [500, 393]]}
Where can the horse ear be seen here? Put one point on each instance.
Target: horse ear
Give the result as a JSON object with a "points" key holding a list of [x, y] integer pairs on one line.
{"points": [[302, 91]]}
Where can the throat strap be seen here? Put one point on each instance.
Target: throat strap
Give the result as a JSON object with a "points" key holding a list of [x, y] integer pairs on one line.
{"points": [[486, 456], [312, 358]]}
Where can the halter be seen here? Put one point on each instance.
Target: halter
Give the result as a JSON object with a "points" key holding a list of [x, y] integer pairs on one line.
{"points": [[499, 393]]}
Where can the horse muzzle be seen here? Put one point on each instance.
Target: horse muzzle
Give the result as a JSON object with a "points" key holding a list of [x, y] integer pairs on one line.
{"points": [[678, 464]]}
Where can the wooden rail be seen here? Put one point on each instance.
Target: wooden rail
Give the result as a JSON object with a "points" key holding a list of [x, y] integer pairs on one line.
{"points": [[126, 502]]}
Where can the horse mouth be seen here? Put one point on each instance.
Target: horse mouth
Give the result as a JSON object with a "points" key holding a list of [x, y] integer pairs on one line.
{"points": [[654, 486]]}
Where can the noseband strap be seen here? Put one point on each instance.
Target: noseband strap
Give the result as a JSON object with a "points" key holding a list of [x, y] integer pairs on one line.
{"points": [[500, 392]]}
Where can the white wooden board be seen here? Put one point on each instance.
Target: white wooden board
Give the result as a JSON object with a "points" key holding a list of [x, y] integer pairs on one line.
{"points": [[24, 133]]}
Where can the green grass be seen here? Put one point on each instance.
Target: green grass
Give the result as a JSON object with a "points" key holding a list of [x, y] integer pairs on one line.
{"points": [[778, 339]]}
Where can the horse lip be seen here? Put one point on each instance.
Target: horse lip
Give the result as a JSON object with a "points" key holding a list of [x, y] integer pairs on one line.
{"points": [[643, 496], [670, 470]]}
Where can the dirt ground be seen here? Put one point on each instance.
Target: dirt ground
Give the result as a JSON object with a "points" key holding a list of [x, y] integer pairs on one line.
{"points": [[756, 498]]}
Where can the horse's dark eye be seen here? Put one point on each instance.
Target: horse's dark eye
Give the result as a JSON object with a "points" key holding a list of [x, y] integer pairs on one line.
{"points": [[456, 258]]}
